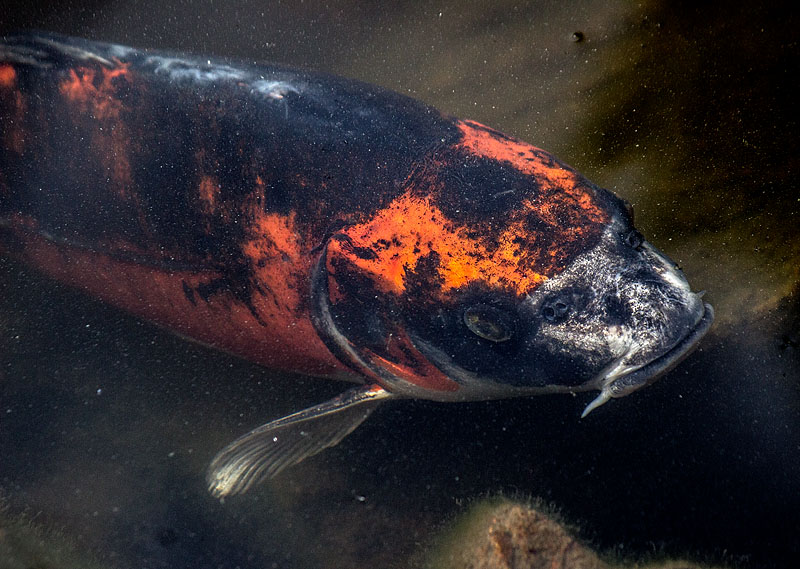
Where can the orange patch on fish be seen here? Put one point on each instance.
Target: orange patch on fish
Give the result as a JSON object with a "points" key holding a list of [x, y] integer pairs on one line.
{"points": [[8, 76], [209, 191], [161, 296], [557, 218], [12, 133], [273, 250], [413, 227], [97, 93], [486, 142]]}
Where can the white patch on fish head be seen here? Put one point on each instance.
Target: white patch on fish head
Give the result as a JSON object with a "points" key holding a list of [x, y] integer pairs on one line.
{"points": [[630, 314]]}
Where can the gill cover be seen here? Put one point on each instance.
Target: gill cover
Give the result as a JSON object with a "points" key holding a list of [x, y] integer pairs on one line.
{"points": [[365, 332]]}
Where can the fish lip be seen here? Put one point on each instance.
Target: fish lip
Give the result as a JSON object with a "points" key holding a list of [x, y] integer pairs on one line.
{"points": [[622, 385], [651, 371]]}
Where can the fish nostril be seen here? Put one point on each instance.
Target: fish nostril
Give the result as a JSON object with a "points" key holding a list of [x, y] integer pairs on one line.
{"points": [[555, 310], [634, 239]]}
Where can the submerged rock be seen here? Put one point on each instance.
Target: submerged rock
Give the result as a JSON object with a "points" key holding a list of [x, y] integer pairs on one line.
{"points": [[508, 535], [502, 534]]}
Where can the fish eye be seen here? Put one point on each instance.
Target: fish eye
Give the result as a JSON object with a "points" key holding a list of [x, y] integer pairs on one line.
{"points": [[489, 323], [634, 239], [555, 310]]}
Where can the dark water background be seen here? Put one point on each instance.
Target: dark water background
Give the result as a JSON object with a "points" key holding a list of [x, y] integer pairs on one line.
{"points": [[107, 423]]}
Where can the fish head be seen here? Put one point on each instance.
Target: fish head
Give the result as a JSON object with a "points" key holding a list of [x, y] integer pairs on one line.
{"points": [[619, 317], [501, 272]]}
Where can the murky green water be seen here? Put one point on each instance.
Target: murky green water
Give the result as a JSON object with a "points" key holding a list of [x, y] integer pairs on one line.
{"points": [[107, 424]]}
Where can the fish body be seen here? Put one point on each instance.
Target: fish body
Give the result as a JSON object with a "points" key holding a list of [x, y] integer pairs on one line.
{"points": [[324, 226]]}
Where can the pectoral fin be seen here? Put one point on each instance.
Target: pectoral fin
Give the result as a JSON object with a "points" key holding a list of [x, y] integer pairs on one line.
{"points": [[264, 452]]}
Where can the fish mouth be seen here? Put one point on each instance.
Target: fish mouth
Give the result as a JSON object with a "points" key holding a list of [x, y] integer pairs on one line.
{"points": [[615, 385]]}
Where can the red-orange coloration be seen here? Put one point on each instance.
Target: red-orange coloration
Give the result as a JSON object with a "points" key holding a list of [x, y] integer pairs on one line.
{"points": [[13, 137], [209, 190], [273, 250], [489, 143], [8, 76], [415, 367], [412, 227], [97, 95], [217, 320], [550, 173]]}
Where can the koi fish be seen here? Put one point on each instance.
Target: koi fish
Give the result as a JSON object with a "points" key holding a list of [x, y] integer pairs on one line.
{"points": [[320, 225]]}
